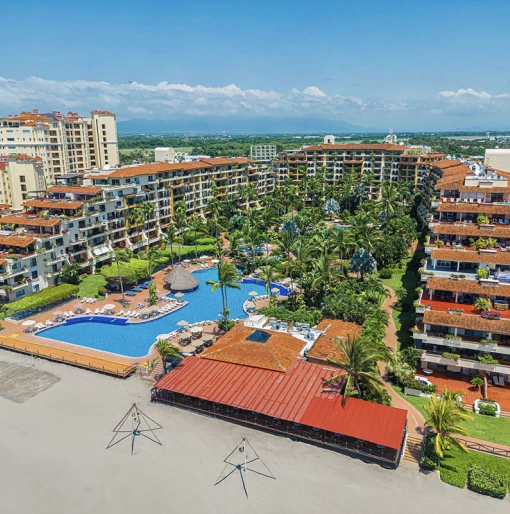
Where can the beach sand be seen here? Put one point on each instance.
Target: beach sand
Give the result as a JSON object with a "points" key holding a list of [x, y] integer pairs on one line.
{"points": [[53, 460]]}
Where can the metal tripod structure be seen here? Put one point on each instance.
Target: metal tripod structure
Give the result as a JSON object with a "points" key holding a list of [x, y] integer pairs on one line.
{"points": [[138, 420], [242, 466]]}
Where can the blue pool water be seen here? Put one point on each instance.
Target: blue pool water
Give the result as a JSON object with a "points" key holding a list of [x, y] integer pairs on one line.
{"points": [[135, 339]]}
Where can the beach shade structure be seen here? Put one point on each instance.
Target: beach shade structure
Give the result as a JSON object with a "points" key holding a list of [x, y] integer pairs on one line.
{"points": [[215, 261], [182, 323], [109, 306], [275, 290], [287, 280], [196, 330], [179, 295], [180, 279], [253, 294], [28, 323], [204, 256]]}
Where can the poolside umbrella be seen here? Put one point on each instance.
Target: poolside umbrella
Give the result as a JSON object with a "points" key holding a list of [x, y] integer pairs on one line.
{"points": [[182, 323], [109, 306], [186, 261], [204, 256], [179, 295], [275, 290], [286, 280], [28, 323], [253, 294], [215, 261], [196, 330]]}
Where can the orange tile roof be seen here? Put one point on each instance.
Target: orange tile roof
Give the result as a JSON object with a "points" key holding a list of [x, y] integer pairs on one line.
{"points": [[101, 112], [222, 161], [149, 169], [467, 321], [478, 189], [2, 261], [75, 189], [29, 222], [326, 346], [19, 241], [467, 256], [276, 354], [53, 204], [466, 286], [470, 230], [445, 163], [26, 116], [482, 208], [24, 157]]}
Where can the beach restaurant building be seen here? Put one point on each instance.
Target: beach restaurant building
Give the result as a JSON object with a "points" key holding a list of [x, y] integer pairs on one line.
{"points": [[294, 403]]}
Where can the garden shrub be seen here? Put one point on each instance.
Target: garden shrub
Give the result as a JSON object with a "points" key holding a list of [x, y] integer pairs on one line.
{"points": [[429, 458], [487, 482], [304, 315], [230, 325], [101, 290], [412, 383], [385, 273], [488, 410], [42, 298]]}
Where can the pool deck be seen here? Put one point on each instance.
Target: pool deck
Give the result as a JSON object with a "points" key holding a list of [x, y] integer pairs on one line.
{"points": [[13, 337]]}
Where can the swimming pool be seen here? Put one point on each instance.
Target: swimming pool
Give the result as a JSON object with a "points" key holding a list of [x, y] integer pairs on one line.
{"points": [[135, 339]]}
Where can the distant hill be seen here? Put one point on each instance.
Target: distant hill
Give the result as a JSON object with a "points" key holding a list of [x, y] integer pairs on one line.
{"points": [[217, 125]]}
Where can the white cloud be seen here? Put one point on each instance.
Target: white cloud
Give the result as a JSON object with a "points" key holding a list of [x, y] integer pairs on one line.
{"points": [[166, 100]]}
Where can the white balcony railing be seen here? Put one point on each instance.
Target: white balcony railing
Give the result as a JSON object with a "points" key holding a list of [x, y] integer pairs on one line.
{"points": [[464, 363]]}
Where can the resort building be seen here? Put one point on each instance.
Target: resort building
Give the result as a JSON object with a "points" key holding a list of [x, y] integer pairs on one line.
{"points": [[380, 162], [20, 175], [497, 158], [84, 223], [264, 153], [464, 316], [258, 377], [65, 143]]}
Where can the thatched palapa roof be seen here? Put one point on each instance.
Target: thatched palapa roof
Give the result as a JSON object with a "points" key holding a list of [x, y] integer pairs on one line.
{"points": [[180, 279]]}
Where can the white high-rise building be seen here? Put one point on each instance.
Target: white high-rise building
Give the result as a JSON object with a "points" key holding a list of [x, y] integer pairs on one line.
{"points": [[263, 153], [65, 144]]}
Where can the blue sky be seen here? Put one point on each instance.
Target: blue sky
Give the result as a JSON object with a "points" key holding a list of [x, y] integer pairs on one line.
{"points": [[409, 65]]}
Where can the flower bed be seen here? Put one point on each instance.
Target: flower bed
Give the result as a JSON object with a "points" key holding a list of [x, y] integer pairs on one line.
{"points": [[487, 407]]}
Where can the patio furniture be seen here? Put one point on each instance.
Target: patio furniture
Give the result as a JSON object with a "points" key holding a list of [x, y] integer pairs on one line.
{"points": [[427, 371], [199, 348]]}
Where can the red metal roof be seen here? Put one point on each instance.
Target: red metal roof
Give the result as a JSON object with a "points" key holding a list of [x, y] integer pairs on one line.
{"points": [[297, 395]]}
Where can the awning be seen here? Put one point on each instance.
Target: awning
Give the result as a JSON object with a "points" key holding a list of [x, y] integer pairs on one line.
{"points": [[451, 367], [101, 250]]}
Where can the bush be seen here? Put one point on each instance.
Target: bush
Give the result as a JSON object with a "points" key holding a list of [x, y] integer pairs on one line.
{"points": [[101, 290], [412, 383], [131, 272], [488, 410], [429, 459], [482, 304], [308, 315], [230, 325], [487, 482], [42, 298], [385, 273]]}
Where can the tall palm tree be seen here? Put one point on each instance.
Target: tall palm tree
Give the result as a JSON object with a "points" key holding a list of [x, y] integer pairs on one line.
{"points": [[340, 242], [358, 365], [389, 198], [445, 417], [148, 211], [227, 275], [269, 275], [136, 217], [196, 224], [167, 350], [170, 238], [120, 255]]}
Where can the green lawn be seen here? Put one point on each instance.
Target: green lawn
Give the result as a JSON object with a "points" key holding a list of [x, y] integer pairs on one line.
{"points": [[486, 428], [455, 465], [90, 284]]}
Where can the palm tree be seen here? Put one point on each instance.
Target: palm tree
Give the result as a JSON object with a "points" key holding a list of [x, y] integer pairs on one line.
{"points": [[358, 365], [197, 225], [446, 418], [152, 254], [227, 275], [340, 242], [120, 255], [167, 350], [269, 275], [389, 198], [148, 211], [136, 217], [170, 238]]}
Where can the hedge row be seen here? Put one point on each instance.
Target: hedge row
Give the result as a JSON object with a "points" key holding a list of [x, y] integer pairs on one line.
{"points": [[429, 459], [487, 482], [42, 298]]}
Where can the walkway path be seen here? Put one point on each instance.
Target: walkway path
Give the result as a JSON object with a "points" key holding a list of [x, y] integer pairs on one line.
{"points": [[415, 420]]}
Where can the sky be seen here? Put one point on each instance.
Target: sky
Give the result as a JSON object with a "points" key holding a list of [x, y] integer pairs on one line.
{"points": [[407, 65]]}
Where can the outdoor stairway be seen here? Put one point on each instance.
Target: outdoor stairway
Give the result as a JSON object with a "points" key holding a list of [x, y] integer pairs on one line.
{"points": [[413, 449]]}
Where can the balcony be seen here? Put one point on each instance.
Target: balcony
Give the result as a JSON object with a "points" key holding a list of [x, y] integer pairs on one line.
{"points": [[465, 363], [472, 344]]}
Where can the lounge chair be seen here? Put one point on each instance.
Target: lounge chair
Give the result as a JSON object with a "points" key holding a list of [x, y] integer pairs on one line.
{"points": [[88, 312], [136, 314], [49, 323], [96, 311], [102, 311]]}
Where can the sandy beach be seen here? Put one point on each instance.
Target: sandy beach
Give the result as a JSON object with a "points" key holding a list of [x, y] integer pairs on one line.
{"points": [[54, 461]]}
